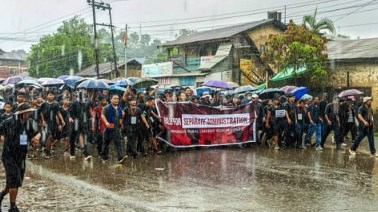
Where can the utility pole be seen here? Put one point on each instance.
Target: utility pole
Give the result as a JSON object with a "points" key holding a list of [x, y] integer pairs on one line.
{"points": [[95, 39], [103, 6], [125, 45]]}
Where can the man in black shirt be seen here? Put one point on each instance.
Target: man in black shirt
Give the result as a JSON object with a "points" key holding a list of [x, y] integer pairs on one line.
{"points": [[290, 121], [18, 134], [365, 127], [332, 119], [52, 120], [133, 117]]}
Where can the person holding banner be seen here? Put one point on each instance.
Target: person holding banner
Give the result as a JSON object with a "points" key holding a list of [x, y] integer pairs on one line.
{"points": [[275, 120]]}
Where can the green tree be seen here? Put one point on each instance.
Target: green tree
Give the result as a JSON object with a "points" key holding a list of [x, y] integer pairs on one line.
{"points": [[324, 24], [143, 46], [185, 32], [70, 47], [298, 47]]}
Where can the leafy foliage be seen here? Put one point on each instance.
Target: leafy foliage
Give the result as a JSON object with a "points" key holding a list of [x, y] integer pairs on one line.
{"points": [[324, 24], [140, 46], [297, 47], [56, 54]]}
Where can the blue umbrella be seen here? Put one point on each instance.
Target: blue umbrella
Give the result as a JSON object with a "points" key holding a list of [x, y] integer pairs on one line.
{"points": [[122, 82], [116, 88], [71, 81], [201, 90], [94, 84], [299, 92], [132, 80]]}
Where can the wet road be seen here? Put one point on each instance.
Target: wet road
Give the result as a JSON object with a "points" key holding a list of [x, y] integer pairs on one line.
{"points": [[223, 179]]}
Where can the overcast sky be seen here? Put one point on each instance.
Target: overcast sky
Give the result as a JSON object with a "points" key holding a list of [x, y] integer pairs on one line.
{"points": [[27, 20]]}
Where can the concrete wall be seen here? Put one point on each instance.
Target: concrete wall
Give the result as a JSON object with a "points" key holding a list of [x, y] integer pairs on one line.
{"points": [[362, 74]]}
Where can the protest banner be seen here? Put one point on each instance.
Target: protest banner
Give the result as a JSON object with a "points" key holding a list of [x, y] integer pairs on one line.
{"points": [[191, 125]]}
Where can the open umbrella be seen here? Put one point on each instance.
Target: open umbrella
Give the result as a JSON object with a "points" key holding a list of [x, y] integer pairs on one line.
{"points": [[132, 80], [244, 89], [270, 93], [299, 92], [217, 84], [28, 82], [203, 89], [63, 77], [109, 82], [233, 84], [12, 80], [116, 88], [71, 81], [306, 97], [53, 83], [350, 92], [145, 83], [123, 82], [287, 89], [93, 85]]}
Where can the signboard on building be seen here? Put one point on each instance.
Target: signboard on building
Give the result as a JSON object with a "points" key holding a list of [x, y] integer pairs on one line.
{"points": [[157, 70], [206, 59]]}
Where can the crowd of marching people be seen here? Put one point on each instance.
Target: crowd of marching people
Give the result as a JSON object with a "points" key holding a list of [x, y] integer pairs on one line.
{"points": [[82, 118], [33, 122]]}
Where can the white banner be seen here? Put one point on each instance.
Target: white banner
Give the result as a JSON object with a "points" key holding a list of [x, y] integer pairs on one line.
{"points": [[215, 121]]}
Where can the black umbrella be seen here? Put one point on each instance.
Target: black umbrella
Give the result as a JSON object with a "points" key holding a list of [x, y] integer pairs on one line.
{"points": [[270, 93], [145, 83]]}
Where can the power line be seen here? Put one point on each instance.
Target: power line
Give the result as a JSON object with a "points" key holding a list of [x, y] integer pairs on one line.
{"points": [[360, 7]]}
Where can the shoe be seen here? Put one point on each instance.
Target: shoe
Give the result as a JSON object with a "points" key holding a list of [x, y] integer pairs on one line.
{"points": [[277, 147], [319, 148], [14, 209], [343, 144], [87, 157], [47, 156], [375, 155], [123, 159], [72, 157], [104, 161], [352, 152]]}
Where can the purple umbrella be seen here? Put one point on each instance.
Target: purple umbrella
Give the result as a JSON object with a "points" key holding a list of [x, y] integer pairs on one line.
{"points": [[63, 77], [350, 92], [12, 80], [287, 89], [52, 82], [217, 84]]}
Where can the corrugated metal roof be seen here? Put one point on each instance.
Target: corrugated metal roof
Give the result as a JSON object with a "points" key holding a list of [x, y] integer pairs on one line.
{"points": [[352, 49], [220, 33], [89, 71], [14, 55]]}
